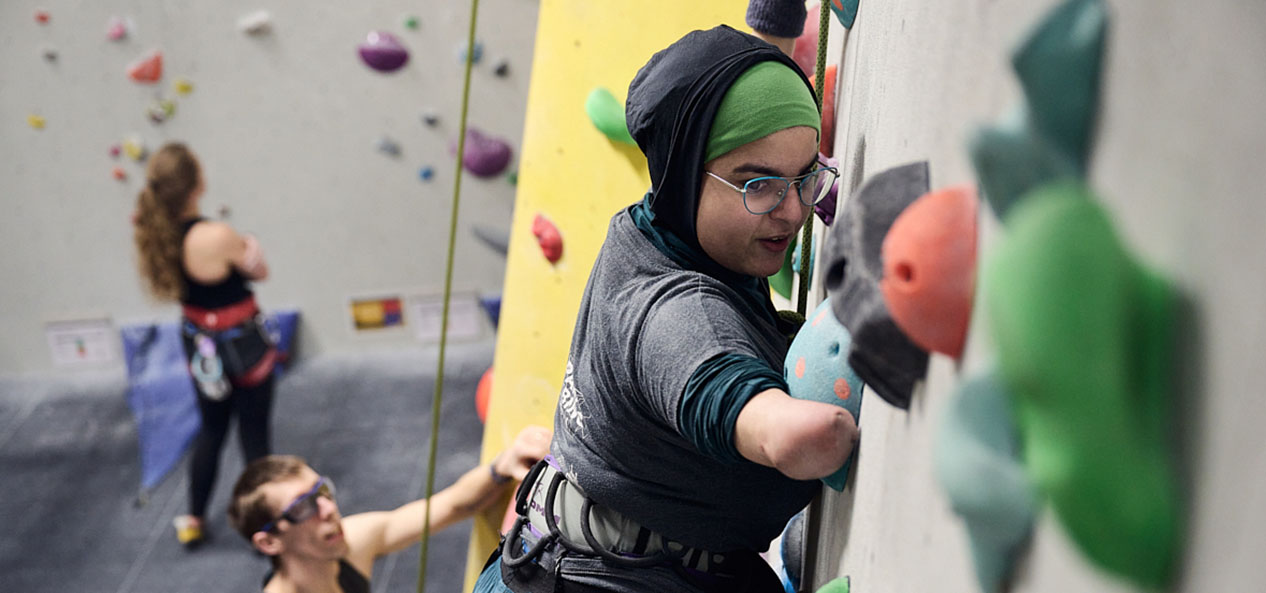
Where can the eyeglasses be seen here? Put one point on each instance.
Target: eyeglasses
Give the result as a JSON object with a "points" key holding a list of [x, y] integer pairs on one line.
{"points": [[763, 194], [304, 507]]}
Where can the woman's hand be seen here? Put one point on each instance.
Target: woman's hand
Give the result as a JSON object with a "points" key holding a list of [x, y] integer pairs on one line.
{"points": [[251, 260]]}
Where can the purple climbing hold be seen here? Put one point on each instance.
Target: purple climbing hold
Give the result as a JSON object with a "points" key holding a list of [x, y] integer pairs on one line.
{"points": [[383, 52], [826, 208], [484, 156]]}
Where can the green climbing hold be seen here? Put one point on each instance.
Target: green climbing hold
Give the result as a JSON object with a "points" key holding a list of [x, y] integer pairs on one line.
{"points": [[1048, 138], [839, 585], [607, 114], [411, 22], [782, 280], [1084, 342], [513, 177]]}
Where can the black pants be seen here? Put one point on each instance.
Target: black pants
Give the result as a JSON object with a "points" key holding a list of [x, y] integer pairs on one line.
{"points": [[253, 407]]}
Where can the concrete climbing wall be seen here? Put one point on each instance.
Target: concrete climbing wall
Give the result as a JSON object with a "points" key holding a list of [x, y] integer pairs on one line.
{"points": [[1177, 163], [577, 179], [286, 126]]}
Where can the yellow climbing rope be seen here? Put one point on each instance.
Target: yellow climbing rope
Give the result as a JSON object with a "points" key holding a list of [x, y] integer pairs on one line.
{"points": [[448, 294]]}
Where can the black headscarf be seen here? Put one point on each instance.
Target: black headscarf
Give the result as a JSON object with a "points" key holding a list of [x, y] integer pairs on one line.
{"points": [[670, 108]]}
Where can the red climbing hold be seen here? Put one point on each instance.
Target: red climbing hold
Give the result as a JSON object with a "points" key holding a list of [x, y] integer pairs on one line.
{"points": [[929, 258], [827, 144], [148, 68], [550, 240], [483, 394]]}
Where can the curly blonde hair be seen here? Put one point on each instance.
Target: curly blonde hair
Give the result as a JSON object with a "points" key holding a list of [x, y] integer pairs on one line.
{"points": [[171, 178]]}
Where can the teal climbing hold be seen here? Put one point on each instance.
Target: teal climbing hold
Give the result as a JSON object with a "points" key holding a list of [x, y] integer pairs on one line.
{"points": [[1048, 138], [607, 114], [976, 458], [816, 368], [845, 11]]}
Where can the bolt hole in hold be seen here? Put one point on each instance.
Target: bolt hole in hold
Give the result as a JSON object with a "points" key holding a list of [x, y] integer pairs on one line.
{"points": [[904, 272]]}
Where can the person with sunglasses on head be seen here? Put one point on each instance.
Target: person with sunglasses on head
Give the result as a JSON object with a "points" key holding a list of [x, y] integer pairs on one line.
{"points": [[678, 454], [288, 511]]}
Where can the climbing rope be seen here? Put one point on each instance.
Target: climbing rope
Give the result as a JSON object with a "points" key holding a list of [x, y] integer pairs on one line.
{"points": [[448, 294], [806, 237]]}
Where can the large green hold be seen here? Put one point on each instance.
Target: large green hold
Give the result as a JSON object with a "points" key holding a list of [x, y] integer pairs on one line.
{"points": [[1084, 337]]}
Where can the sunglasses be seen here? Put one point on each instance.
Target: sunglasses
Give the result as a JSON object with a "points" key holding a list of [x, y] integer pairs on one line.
{"points": [[304, 507]]}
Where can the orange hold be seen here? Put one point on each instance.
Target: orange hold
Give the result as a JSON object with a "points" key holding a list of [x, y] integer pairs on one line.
{"points": [[148, 69], [827, 144], [119, 173], [42, 17], [483, 394], [929, 277], [548, 237]]}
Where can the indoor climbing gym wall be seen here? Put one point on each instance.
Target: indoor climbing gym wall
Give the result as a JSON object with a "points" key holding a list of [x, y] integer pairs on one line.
{"points": [[1042, 256], [579, 167], [325, 129]]}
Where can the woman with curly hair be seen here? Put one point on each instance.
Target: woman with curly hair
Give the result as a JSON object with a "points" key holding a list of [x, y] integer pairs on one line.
{"points": [[207, 266]]}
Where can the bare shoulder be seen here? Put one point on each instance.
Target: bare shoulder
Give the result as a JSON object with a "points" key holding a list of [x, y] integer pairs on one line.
{"points": [[362, 532], [212, 237]]}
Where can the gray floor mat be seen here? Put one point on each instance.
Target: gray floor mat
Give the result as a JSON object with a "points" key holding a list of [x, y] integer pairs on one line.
{"points": [[68, 462]]}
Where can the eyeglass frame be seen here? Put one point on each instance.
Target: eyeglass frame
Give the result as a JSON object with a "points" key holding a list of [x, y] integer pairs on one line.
{"points": [[288, 513], [797, 180]]}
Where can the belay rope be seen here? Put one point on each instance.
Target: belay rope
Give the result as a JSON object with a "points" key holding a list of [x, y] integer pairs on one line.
{"points": [[448, 295], [806, 236]]}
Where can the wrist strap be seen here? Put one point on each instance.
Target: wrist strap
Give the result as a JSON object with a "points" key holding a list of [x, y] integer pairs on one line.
{"points": [[496, 477]]}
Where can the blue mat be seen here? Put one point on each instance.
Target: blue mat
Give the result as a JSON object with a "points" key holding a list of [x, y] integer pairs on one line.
{"points": [[161, 394]]}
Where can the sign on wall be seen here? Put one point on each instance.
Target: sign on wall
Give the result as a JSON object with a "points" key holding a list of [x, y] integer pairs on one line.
{"points": [[77, 342]]}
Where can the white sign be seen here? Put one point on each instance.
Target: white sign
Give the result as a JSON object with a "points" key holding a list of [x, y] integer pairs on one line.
{"points": [[82, 342], [465, 317]]}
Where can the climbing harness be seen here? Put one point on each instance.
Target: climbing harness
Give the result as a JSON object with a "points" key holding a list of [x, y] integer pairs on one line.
{"points": [[556, 516], [583, 527], [228, 346]]}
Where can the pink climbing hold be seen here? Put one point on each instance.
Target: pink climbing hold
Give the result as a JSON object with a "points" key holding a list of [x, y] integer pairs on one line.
{"points": [[148, 68], [805, 53], [547, 236], [383, 52], [484, 156]]}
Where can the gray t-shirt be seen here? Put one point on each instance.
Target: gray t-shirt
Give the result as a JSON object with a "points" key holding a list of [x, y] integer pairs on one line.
{"points": [[645, 325]]}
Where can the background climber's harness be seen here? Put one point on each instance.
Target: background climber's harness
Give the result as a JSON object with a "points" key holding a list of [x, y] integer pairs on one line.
{"points": [[227, 345]]}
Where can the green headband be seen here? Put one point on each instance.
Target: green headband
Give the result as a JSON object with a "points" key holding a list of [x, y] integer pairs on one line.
{"points": [[768, 97]]}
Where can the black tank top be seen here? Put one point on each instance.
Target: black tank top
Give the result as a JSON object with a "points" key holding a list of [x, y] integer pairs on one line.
{"points": [[231, 290], [349, 579]]}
